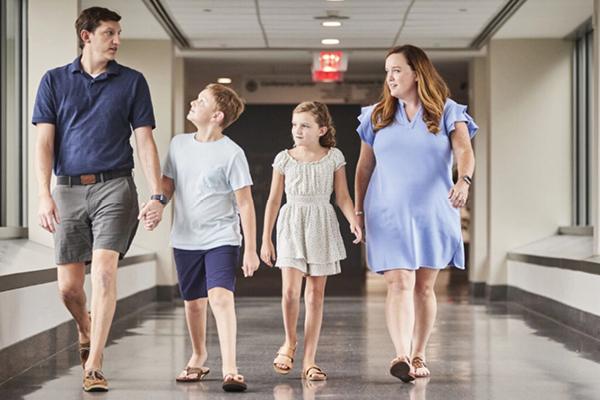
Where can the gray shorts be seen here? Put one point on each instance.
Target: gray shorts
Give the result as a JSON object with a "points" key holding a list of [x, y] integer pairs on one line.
{"points": [[92, 217]]}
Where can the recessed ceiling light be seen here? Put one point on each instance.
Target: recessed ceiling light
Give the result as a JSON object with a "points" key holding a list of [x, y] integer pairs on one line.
{"points": [[330, 41], [224, 81], [331, 24]]}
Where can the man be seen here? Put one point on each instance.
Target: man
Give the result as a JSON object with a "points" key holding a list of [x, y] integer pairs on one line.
{"points": [[84, 113]]}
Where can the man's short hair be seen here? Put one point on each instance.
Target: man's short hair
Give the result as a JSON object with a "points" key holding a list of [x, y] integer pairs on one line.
{"points": [[228, 102], [91, 18]]}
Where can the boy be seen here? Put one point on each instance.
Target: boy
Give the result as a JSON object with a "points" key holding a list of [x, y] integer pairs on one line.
{"points": [[211, 176]]}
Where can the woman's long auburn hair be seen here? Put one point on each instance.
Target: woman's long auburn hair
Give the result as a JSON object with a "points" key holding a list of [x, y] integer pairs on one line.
{"points": [[431, 89]]}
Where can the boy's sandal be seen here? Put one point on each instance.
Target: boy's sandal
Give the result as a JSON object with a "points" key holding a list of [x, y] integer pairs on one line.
{"points": [[418, 363], [315, 373], [285, 356], [192, 374], [400, 368], [234, 383]]}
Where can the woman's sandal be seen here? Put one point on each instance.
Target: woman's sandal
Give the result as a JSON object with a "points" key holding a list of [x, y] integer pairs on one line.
{"points": [[401, 368], [419, 363], [315, 373], [285, 356], [192, 374], [234, 383]]}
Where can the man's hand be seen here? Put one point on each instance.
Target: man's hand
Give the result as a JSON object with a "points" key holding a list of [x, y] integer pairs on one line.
{"points": [[48, 213], [251, 263]]}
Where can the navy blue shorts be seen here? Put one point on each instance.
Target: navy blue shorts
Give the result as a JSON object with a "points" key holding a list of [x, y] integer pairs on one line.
{"points": [[199, 271]]}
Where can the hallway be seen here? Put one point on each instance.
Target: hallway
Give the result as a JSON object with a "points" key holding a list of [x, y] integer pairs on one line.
{"points": [[477, 351]]}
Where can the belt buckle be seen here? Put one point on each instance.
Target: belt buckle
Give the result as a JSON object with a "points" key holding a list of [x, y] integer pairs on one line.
{"points": [[87, 179]]}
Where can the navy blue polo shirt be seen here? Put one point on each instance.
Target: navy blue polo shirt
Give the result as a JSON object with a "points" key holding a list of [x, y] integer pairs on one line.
{"points": [[93, 117]]}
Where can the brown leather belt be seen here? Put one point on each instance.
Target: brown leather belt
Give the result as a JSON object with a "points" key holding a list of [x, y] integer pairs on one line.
{"points": [[91, 179]]}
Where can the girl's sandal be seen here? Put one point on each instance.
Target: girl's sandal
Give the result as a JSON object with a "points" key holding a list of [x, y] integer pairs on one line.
{"points": [[192, 374], [314, 373], [285, 356], [401, 368], [419, 364]]}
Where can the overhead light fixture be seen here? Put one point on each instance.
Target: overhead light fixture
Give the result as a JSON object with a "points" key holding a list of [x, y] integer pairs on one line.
{"points": [[330, 41], [224, 81], [331, 24]]}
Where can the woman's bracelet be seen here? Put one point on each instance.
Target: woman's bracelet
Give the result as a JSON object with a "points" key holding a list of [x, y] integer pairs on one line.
{"points": [[467, 179], [357, 213]]}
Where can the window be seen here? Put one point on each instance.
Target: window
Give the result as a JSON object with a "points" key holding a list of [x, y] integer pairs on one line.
{"points": [[582, 129], [12, 117]]}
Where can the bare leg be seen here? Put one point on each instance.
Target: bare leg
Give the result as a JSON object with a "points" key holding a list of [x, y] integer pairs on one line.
{"points": [[399, 308], [71, 278], [291, 286], [222, 304], [425, 313], [195, 315], [104, 301], [313, 299]]}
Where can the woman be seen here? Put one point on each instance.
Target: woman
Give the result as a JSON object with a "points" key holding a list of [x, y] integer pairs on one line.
{"points": [[405, 195]]}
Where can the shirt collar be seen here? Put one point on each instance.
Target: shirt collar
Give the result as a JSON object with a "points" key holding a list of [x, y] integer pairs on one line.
{"points": [[113, 67]]}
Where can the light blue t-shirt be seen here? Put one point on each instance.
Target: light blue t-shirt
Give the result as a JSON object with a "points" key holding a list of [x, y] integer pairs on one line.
{"points": [[206, 175]]}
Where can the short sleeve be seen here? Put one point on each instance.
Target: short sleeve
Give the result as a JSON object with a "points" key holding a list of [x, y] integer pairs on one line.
{"points": [[142, 113], [365, 128], [454, 112], [338, 158], [239, 172], [168, 167], [280, 162], [44, 110]]}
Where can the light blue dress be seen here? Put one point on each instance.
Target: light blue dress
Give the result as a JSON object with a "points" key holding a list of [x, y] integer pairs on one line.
{"points": [[409, 220]]}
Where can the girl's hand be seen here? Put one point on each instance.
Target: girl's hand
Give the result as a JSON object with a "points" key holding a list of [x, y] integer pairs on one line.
{"points": [[267, 253], [459, 194], [357, 231], [360, 223], [251, 264]]}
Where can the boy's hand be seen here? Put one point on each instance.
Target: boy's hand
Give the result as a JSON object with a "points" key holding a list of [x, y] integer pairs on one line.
{"points": [[267, 253], [355, 229], [251, 263]]}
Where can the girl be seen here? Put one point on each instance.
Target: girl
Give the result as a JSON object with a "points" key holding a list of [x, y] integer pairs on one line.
{"points": [[308, 235]]}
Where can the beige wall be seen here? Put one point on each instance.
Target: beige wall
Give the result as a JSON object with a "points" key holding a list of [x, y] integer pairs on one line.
{"points": [[51, 43], [155, 59], [595, 175], [530, 145], [479, 107]]}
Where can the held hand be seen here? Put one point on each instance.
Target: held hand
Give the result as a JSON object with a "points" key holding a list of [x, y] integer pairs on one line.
{"points": [[459, 194], [151, 214], [360, 224], [251, 263], [267, 253], [48, 214], [355, 229]]}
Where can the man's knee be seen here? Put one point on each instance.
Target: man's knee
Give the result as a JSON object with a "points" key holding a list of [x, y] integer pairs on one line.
{"points": [[71, 293]]}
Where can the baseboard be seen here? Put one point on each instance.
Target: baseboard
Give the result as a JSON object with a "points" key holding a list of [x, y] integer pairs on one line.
{"points": [[477, 289], [167, 292], [24, 354], [577, 319], [496, 292]]}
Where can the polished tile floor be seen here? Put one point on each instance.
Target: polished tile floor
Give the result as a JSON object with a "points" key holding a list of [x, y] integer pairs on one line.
{"points": [[477, 351]]}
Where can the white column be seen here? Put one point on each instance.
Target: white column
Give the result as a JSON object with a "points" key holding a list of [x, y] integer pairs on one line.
{"points": [[595, 172]]}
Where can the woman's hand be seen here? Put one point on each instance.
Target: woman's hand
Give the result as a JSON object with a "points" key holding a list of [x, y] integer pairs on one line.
{"points": [[360, 223], [459, 194], [267, 253]]}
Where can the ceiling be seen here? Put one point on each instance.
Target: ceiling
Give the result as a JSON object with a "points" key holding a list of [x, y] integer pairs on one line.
{"points": [[293, 24], [285, 32]]}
